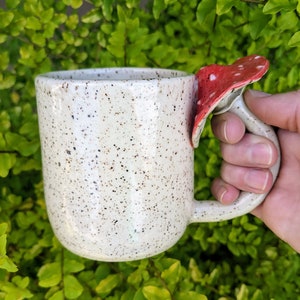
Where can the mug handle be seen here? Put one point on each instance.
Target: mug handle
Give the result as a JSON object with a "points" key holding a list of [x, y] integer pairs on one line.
{"points": [[213, 211]]}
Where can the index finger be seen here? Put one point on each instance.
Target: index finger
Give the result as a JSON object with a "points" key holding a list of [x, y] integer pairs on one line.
{"points": [[280, 110]]}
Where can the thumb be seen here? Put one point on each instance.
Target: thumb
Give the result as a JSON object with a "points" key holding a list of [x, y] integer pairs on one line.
{"points": [[280, 110]]}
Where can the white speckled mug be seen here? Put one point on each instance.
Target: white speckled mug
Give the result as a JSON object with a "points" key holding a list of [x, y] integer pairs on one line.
{"points": [[118, 161]]}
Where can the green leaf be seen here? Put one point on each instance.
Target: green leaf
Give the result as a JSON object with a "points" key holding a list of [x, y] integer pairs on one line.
{"points": [[3, 244], [21, 144], [7, 81], [68, 37], [258, 21], [73, 3], [242, 293], [135, 278], [172, 274], [206, 12], [233, 248], [164, 55], [3, 230], [76, 3], [47, 15], [108, 9], [258, 295], [29, 128], [294, 40], [190, 295], [128, 295], [223, 6], [6, 263], [7, 161], [139, 295], [122, 14], [72, 288], [72, 22], [275, 6], [21, 282], [158, 7], [293, 76], [92, 16], [106, 285], [27, 55], [3, 38], [72, 266], [165, 263], [288, 21], [18, 25], [24, 164], [195, 272], [12, 3], [33, 23], [133, 3], [117, 41], [50, 274], [25, 219], [249, 226], [59, 295], [152, 292], [102, 271], [38, 39], [252, 251], [14, 292], [4, 60], [6, 18]]}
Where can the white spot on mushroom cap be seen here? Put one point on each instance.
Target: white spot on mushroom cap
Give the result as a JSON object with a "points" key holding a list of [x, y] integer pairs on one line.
{"points": [[259, 67], [237, 74], [212, 77], [212, 95], [257, 57]]}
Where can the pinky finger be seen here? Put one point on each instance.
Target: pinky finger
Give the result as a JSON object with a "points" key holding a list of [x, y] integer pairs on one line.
{"points": [[224, 192]]}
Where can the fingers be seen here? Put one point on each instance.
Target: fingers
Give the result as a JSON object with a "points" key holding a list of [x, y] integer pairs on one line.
{"points": [[280, 110], [242, 149], [233, 179], [228, 128], [247, 179], [247, 159], [223, 191], [251, 151]]}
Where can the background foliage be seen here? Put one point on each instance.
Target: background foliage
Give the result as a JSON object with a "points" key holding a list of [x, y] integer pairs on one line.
{"points": [[238, 259]]}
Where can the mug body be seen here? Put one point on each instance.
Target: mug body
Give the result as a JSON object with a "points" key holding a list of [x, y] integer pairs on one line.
{"points": [[117, 159]]}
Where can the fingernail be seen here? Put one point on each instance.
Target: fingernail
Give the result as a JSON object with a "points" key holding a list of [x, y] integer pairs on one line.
{"points": [[257, 179], [225, 130], [222, 193], [261, 154]]}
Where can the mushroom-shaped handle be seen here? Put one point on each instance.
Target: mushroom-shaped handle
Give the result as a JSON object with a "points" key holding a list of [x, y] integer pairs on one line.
{"points": [[228, 97]]}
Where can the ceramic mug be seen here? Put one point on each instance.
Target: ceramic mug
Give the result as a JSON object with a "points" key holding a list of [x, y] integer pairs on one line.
{"points": [[118, 162]]}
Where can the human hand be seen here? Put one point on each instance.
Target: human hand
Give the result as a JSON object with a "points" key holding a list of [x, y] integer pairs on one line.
{"points": [[247, 159]]}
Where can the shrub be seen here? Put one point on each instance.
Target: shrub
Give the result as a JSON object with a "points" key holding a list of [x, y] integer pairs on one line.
{"points": [[237, 259]]}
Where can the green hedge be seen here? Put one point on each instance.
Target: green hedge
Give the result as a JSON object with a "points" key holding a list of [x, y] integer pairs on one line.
{"points": [[238, 259]]}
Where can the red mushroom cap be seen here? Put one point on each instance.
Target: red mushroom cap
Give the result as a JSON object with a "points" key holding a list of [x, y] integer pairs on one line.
{"points": [[216, 82]]}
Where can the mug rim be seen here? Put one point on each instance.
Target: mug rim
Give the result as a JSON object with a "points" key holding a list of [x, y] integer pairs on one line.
{"points": [[115, 74]]}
